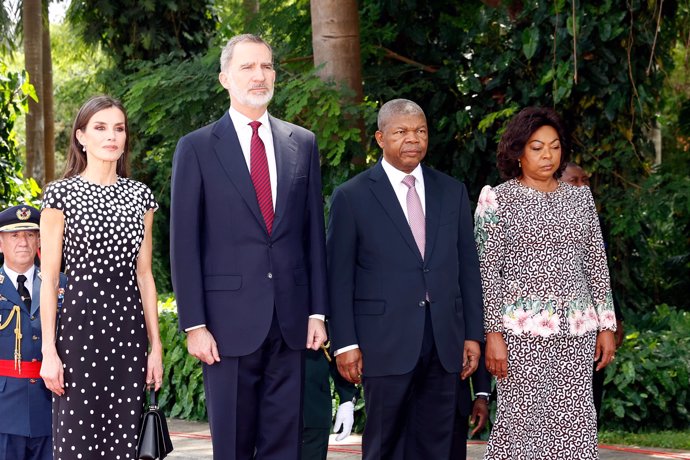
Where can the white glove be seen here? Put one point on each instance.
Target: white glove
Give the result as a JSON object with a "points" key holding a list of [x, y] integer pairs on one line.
{"points": [[345, 418]]}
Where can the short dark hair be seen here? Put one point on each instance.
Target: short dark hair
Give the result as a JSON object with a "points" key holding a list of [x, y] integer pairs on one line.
{"points": [[397, 107], [517, 133]]}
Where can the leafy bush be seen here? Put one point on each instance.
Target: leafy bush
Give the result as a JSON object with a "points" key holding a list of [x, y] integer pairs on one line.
{"points": [[648, 384], [15, 90], [182, 394]]}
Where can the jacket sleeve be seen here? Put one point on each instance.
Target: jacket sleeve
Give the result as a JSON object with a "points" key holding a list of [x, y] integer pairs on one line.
{"points": [[186, 215], [488, 235], [596, 269], [341, 242]]}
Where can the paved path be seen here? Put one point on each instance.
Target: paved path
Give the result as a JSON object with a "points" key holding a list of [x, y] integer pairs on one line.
{"points": [[192, 441]]}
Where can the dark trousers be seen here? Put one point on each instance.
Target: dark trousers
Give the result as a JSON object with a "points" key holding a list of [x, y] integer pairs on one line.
{"points": [[411, 416], [254, 402], [14, 447], [315, 443], [459, 449]]}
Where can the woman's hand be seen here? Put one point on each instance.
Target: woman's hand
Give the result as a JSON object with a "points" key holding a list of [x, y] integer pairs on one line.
{"points": [[605, 350], [52, 373], [154, 368], [496, 355]]}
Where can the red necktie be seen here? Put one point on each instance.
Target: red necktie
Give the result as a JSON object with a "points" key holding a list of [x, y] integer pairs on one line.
{"points": [[258, 166]]}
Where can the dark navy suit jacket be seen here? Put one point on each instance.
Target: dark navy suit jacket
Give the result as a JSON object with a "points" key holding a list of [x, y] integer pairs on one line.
{"points": [[378, 280], [25, 404], [227, 272]]}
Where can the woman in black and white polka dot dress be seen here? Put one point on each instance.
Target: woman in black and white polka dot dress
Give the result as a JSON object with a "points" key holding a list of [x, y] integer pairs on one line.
{"points": [[98, 363]]}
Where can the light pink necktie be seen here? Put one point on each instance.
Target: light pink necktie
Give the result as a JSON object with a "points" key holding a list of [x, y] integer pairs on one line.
{"points": [[415, 214], [258, 165]]}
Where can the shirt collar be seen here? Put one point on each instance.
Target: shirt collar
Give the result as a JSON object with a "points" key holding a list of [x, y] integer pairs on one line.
{"points": [[241, 120], [13, 275], [396, 176]]}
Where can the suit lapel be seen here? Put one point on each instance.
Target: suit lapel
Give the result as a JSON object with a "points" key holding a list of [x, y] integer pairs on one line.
{"points": [[433, 194], [229, 153], [384, 193], [286, 161], [36, 291]]}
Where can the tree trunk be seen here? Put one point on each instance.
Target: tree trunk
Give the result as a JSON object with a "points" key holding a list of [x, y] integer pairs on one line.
{"points": [[335, 38], [48, 110], [251, 10], [33, 37]]}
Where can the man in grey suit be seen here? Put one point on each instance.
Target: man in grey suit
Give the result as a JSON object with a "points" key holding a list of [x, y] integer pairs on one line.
{"points": [[405, 290], [248, 260]]}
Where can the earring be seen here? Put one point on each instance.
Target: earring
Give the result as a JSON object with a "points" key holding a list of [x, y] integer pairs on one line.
{"points": [[519, 162], [83, 148]]}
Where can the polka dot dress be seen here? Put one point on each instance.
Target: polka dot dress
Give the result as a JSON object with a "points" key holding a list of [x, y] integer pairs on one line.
{"points": [[101, 336]]}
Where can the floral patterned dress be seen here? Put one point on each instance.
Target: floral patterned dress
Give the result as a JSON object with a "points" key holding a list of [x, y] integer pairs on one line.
{"points": [[546, 289]]}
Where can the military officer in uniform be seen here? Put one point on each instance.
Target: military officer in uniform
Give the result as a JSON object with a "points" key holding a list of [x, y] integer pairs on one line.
{"points": [[25, 424], [317, 404]]}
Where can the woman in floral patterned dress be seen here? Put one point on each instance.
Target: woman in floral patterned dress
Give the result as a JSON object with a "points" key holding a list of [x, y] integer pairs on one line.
{"points": [[548, 310]]}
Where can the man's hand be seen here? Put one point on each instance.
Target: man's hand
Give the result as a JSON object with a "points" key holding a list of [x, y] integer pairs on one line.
{"points": [[345, 418], [316, 333], [605, 350], [480, 415], [202, 345], [350, 365], [470, 358], [496, 355]]}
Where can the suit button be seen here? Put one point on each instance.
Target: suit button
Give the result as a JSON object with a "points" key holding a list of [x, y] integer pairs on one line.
{"points": [[34, 337], [270, 275], [33, 317], [32, 380], [422, 303], [426, 270]]}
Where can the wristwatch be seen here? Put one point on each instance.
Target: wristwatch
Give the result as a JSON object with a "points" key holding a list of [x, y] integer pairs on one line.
{"points": [[484, 397]]}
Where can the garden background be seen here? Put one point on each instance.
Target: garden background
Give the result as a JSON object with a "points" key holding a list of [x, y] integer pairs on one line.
{"points": [[618, 71]]}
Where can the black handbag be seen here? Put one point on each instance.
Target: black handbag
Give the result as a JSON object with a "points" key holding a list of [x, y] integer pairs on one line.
{"points": [[154, 439]]}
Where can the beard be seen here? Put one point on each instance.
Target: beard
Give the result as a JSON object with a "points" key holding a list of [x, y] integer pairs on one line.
{"points": [[254, 100]]}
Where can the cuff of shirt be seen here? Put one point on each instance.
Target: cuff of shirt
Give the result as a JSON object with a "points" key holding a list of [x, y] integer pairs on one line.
{"points": [[194, 327], [321, 317], [344, 349]]}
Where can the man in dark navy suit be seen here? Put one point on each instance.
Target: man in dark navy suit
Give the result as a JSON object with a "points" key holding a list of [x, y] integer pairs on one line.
{"points": [[248, 260], [25, 423], [406, 299], [468, 411]]}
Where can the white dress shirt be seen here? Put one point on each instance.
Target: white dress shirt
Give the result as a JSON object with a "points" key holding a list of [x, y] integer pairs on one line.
{"points": [[29, 283], [244, 134], [395, 176]]}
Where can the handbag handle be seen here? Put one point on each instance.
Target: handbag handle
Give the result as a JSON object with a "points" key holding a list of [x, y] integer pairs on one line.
{"points": [[153, 405]]}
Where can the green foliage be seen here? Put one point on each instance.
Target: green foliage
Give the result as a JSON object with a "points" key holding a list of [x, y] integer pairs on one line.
{"points": [[15, 91], [143, 30], [182, 394], [651, 223], [76, 67], [477, 65], [663, 439], [648, 384]]}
